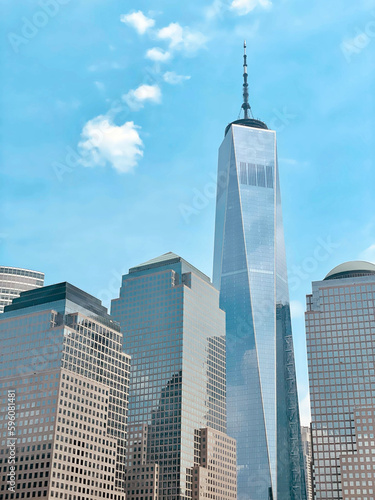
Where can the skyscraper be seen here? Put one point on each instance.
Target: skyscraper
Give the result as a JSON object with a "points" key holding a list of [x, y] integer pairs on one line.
{"points": [[175, 332], [62, 362], [340, 335], [14, 280], [250, 272]]}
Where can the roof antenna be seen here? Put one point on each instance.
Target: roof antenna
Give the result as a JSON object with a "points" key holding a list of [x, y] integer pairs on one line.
{"points": [[245, 106]]}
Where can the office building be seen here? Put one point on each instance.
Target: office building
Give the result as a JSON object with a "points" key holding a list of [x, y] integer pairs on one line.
{"points": [[250, 272], [61, 356], [14, 280], [307, 456], [340, 334], [174, 331]]}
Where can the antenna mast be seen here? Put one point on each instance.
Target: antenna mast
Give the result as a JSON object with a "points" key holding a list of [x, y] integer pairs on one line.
{"points": [[245, 106]]}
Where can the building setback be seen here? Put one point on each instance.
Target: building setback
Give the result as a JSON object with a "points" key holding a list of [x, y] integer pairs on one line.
{"points": [[340, 334], [175, 332], [250, 272], [14, 280], [62, 359]]}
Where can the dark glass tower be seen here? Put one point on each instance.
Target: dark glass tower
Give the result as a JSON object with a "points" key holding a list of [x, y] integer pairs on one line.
{"points": [[250, 272]]}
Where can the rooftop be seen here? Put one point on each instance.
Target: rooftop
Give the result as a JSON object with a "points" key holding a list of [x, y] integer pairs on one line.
{"points": [[54, 293], [21, 271], [166, 260], [248, 122], [351, 269]]}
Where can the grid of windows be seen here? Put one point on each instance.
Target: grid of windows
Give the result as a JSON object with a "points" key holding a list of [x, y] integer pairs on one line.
{"points": [[174, 331], [71, 381], [358, 469], [216, 475], [340, 332]]}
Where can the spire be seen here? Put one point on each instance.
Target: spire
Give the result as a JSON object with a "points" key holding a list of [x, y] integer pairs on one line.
{"points": [[245, 106]]}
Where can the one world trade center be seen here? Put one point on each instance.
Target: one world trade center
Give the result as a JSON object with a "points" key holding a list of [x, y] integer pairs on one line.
{"points": [[250, 272]]}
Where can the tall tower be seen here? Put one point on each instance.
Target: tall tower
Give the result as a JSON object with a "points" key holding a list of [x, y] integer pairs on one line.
{"points": [[250, 272], [340, 337]]}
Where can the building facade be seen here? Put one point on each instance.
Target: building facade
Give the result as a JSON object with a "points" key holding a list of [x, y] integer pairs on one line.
{"points": [[63, 365], [14, 280], [216, 474], [175, 332], [250, 272], [307, 455], [340, 335], [358, 468]]}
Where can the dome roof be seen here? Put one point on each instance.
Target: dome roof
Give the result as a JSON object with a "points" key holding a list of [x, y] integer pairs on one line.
{"points": [[351, 269]]}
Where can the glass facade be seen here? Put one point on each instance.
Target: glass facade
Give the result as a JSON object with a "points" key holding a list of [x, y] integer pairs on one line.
{"points": [[61, 355], [250, 272], [340, 335], [174, 331]]}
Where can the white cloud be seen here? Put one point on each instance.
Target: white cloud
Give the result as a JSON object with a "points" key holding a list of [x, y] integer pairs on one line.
{"points": [[173, 78], [368, 254], [245, 6], [138, 21], [180, 38], [135, 98], [158, 55], [305, 411], [103, 142]]}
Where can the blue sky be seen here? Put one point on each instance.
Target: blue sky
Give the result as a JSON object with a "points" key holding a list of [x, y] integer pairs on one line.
{"points": [[113, 113]]}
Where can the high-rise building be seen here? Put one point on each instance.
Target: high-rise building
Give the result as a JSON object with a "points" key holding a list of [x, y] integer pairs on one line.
{"points": [[250, 272], [307, 456], [174, 331], [340, 335], [14, 280], [63, 369]]}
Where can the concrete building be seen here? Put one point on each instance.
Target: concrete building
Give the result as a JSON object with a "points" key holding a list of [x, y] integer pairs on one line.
{"points": [[62, 362], [175, 332], [340, 334], [216, 475], [142, 482], [14, 280]]}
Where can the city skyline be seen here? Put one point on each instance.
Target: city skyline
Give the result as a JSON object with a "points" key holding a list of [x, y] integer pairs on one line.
{"points": [[88, 206]]}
